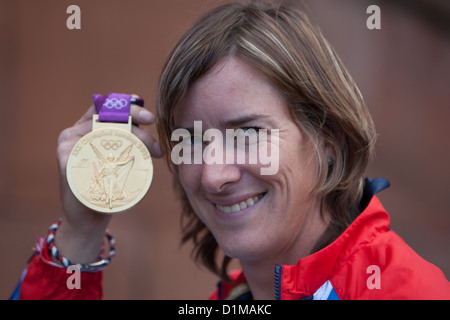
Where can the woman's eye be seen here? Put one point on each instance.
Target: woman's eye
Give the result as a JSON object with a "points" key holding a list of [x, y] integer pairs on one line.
{"points": [[249, 131]]}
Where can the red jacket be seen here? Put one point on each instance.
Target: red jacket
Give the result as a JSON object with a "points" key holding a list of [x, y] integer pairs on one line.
{"points": [[367, 261], [43, 279]]}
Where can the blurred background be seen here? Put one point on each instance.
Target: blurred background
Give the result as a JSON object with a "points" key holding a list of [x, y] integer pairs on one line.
{"points": [[48, 74]]}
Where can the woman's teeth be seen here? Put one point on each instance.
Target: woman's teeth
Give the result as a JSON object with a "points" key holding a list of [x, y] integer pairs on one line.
{"points": [[239, 206]]}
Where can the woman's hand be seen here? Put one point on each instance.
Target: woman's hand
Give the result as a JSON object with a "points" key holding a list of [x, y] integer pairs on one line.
{"points": [[82, 230]]}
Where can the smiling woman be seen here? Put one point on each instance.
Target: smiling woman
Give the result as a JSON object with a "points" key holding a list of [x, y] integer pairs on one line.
{"points": [[239, 61], [272, 60], [285, 221], [314, 229]]}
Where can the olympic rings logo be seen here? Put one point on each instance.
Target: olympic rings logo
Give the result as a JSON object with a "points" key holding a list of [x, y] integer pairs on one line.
{"points": [[111, 144], [115, 103]]}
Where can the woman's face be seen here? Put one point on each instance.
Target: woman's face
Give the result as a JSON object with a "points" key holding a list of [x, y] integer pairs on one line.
{"points": [[252, 216]]}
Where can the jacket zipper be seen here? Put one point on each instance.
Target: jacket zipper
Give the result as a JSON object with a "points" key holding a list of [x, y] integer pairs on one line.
{"points": [[278, 272]]}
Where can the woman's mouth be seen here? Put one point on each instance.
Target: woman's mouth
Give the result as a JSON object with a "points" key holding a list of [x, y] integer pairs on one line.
{"points": [[244, 204]]}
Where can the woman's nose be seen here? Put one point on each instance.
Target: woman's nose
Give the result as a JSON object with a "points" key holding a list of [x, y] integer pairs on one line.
{"points": [[216, 177]]}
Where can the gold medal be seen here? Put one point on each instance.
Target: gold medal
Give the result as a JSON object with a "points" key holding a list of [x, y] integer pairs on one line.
{"points": [[109, 170]]}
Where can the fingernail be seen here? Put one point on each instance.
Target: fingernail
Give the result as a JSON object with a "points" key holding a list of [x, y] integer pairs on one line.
{"points": [[146, 116]]}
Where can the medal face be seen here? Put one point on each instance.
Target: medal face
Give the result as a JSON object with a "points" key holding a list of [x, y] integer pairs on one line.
{"points": [[109, 170]]}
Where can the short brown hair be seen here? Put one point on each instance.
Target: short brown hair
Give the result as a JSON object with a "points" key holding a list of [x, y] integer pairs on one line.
{"points": [[282, 43]]}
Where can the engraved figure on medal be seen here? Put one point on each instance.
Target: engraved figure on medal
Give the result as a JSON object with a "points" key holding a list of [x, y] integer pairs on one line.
{"points": [[110, 175]]}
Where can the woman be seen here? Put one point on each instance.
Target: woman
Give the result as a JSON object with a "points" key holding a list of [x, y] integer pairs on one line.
{"points": [[315, 225]]}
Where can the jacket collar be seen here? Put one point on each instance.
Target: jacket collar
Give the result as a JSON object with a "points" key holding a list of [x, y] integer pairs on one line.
{"points": [[303, 279]]}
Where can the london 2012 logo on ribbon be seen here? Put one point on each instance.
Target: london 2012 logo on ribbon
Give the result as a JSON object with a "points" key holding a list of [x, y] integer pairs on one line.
{"points": [[115, 103]]}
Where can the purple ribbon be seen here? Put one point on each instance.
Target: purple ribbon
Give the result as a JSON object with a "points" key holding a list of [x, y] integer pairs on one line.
{"points": [[115, 107]]}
